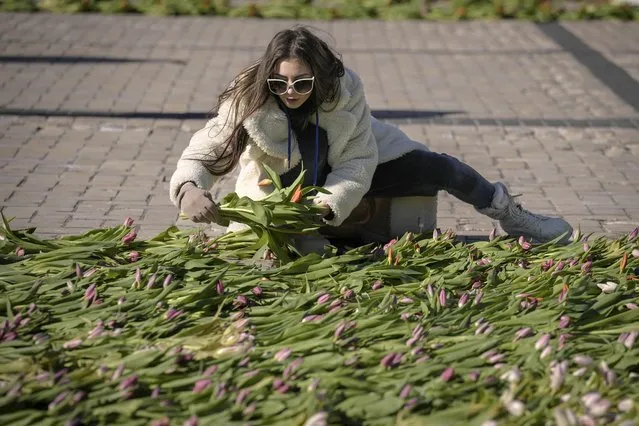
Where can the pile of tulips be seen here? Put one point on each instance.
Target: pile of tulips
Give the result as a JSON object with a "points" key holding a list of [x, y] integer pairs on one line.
{"points": [[189, 329]]}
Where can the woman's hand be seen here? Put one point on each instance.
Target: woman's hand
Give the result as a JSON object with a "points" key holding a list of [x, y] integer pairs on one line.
{"points": [[198, 205], [325, 210]]}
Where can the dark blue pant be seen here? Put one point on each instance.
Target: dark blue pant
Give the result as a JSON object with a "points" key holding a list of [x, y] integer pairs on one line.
{"points": [[423, 173]]}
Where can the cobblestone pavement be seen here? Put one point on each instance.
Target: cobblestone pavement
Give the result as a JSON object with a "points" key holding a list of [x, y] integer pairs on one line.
{"points": [[96, 110]]}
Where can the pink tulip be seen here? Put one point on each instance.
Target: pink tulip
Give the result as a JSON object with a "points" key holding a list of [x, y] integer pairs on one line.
{"points": [[447, 374]]}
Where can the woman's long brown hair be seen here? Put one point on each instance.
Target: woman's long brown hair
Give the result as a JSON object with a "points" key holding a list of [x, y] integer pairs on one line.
{"points": [[249, 90]]}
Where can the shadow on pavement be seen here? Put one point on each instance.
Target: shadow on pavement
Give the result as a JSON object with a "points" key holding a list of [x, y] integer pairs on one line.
{"points": [[197, 115], [44, 59]]}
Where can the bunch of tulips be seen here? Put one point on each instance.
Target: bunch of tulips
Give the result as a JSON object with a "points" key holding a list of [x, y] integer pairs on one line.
{"points": [[187, 329]]}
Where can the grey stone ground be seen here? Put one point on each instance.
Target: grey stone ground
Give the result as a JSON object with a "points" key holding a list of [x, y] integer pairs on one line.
{"points": [[95, 111]]}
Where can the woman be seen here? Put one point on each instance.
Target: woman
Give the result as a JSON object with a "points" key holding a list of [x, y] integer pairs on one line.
{"points": [[299, 106]]}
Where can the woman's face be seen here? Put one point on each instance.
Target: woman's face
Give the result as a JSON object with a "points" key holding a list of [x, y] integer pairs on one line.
{"points": [[291, 70]]}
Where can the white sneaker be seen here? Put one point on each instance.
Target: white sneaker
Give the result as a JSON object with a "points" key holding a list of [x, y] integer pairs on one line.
{"points": [[517, 221]]}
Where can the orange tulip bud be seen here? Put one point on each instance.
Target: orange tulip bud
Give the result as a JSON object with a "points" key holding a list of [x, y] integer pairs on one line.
{"points": [[297, 194]]}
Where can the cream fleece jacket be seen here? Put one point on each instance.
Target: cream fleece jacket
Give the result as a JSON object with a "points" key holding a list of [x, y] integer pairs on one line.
{"points": [[357, 143]]}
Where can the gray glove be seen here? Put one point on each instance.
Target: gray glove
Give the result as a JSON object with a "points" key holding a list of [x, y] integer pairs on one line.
{"points": [[198, 205]]}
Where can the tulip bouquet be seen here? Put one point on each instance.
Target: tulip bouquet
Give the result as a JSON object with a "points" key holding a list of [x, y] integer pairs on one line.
{"points": [[286, 211], [183, 329]]}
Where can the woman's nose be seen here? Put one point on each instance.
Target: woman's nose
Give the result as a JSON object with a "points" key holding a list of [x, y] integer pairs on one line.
{"points": [[290, 90]]}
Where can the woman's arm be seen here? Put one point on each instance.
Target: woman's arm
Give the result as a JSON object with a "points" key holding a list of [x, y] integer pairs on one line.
{"points": [[202, 146], [352, 166]]}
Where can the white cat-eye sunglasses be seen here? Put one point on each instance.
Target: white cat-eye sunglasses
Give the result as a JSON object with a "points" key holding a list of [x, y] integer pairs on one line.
{"points": [[302, 86]]}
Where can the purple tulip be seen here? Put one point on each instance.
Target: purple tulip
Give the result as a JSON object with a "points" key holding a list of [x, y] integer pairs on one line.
{"points": [[447, 374], [582, 360], [251, 373], [240, 302], [241, 323], [586, 267], [201, 385], [312, 318], [156, 392], [410, 342], [630, 340], [557, 374], [249, 410], [633, 234], [430, 291], [348, 294], [545, 352], [280, 386], [90, 293], [422, 359], [290, 369], [489, 353], [436, 233], [478, 297], [476, 285], [58, 400], [219, 287], [128, 238], [563, 294], [89, 272], [391, 360], [172, 313], [493, 234], [564, 321], [282, 354], [72, 344], [481, 328], [547, 264], [405, 391], [473, 376], [134, 256], [323, 298], [631, 306], [335, 304], [405, 316], [151, 282], [118, 372], [609, 376], [78, 271], [128, 222], [560, 265], [625, 406], [563, 338], [525, 245], [523, 333], [241, 396], [128, 383], [167, 281], [494, 359], [257, 291], [340, 330], [192, 421], [462, 300], [442, 297], [377, 285], [97, 331]]}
